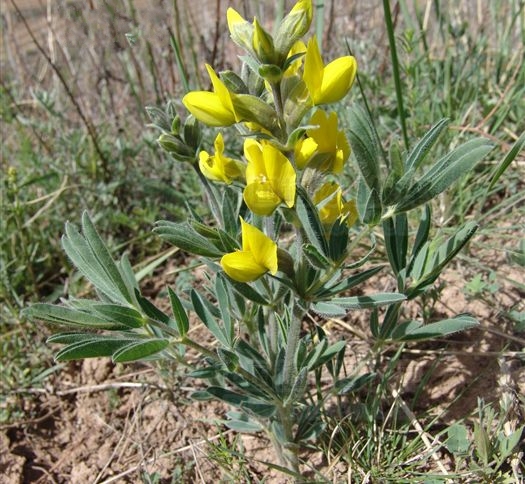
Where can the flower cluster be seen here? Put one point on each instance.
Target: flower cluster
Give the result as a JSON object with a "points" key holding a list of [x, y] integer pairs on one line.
{"points": [[291, 142]]}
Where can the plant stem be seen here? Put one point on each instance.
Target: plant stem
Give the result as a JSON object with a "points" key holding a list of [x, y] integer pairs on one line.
{"points": [[395, 69]]}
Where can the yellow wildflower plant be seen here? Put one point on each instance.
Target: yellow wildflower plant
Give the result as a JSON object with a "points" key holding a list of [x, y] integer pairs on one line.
{"points": [[323, 139], [258, 256], [270, 178], [218, 167], [330, 83], [212, 108], [331, 205]]}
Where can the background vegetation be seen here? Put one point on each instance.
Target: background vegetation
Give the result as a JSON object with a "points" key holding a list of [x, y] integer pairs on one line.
{"points": [[76, 78]]}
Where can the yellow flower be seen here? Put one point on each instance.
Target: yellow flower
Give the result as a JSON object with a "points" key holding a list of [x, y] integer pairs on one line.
{"points": [[325, 142], [330, 83], [331, 205], [212, 108], [218, 167], [293, 68], [270, 178], [258, 256]]}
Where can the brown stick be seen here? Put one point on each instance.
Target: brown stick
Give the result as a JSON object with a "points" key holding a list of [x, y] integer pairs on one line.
{"points": [[90, 128]]}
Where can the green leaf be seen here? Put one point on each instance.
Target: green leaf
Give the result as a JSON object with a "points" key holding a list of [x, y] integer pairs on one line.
{"points": [[183, 236], [299, 386], [507, 443], [422, 148], [457, 441], [516, 149], [372, 301], [261, 409], [120, 314], [430, 263], [328, 309], [103, 257], [364, 146], [225, 309], [414, 331], [240, 422], [396, 241], [153, 311], [349, 385], [309, 218], [69, 317], [94, 347], [233, 398], [140, 350], [326, 355], [246, 291], [338, 242], [444, 173], [348, 283], [373, 209], [206, 316], [423, 230], [179, 313], [68, 338], [482, 444], [315, 257], [86, 261]]}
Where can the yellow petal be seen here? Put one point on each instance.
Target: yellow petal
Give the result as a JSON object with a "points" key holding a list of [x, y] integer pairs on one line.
{"points": [[234, 19], [343, 145], [350, 212], [328, 199], [208, 167], [313, 68], [221, 90], [218, 144], [263, 248], [260, 197], [338, 77], [303, 152], [280, 173], [298, 48], [326, 132], [208, 108], [241, 266], [253, 153]]}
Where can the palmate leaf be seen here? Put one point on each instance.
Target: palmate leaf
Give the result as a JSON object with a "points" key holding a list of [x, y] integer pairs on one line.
{"points": [[430, 262], [444, 173], [91, 257], [422, 148]]}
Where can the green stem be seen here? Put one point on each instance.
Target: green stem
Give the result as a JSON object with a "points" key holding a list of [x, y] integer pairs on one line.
{"points": [[395, 69]]}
